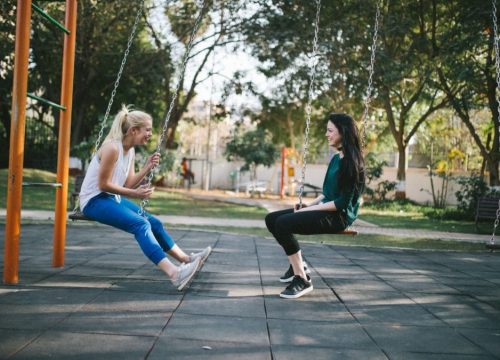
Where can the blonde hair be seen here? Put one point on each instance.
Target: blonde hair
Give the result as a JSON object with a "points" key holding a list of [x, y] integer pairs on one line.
{"points": [[126, 119]]}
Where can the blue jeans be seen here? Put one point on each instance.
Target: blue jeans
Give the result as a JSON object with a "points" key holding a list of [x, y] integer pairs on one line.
{"points": [[148, 231]]}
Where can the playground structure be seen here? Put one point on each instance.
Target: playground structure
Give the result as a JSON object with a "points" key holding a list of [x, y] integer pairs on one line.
{"points": [[18, 114], [16, 150]]}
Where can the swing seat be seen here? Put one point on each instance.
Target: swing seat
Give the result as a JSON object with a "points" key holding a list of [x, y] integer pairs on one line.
{"points": [[493, 247], [348, 231], [78, 215]]}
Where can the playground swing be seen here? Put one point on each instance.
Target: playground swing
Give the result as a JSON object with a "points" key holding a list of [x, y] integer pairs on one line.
{"points": [[491, 245], [77, 214], [367, 100]]}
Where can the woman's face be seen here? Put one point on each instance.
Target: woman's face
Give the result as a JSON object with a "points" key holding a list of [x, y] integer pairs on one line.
{"points": [[333, 135], [141, 135]]}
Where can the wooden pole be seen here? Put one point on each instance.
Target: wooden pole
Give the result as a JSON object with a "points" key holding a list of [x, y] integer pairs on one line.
{"points": [[63, 146], [16, 149]]}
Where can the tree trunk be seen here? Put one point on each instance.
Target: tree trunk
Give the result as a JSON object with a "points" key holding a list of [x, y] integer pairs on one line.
{"points": [[492, 163], [401, 174], [289, 124]]}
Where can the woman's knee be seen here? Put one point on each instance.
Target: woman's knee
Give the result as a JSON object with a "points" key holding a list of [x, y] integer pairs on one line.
{"points": [[140, 224], [155, 223], [269, 221], [282, 225]]}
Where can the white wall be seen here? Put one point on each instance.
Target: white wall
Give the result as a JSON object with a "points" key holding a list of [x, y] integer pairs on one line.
{"points": [[418, 187]]}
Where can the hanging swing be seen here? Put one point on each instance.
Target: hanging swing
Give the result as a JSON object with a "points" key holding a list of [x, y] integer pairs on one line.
{"points": [[367, 100], [491, 245], [77, 214]]}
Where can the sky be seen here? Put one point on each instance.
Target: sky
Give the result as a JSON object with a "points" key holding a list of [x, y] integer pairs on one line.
{"points": [[225, 62]]}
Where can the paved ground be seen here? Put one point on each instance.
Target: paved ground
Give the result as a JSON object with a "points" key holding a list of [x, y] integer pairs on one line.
{"points": [[109, 302], [362, 226]]}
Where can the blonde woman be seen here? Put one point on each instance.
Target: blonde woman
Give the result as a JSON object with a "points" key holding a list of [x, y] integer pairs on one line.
{"points": [[111, 177]]}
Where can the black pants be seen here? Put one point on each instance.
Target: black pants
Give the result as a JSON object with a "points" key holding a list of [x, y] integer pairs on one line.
{"points": [[284, 223]]}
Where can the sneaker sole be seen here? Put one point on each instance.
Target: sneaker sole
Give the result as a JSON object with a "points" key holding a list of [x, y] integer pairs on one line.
{"points": [[302, 293], [189, 278]]}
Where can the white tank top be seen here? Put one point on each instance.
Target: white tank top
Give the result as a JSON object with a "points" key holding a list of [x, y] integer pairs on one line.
{"points": [[90, 185]]}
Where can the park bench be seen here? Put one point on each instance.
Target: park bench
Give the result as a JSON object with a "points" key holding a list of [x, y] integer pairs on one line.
{"points": [[258, 187], [76, 190], [486, 209], [310, 189]]}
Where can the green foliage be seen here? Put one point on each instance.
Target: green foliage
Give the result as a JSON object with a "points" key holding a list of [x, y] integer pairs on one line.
{"points": [[166, 166], [409, 214], [254, 148], [472, 188], [374, 170]]}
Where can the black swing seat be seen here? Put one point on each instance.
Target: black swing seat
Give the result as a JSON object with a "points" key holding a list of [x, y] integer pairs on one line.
{"points": [[492, 247], [78, 215], [348, 231]]}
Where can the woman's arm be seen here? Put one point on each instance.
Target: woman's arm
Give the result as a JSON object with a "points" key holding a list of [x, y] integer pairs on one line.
{"points": [[133, 179], [328, 206], [108, 158]]}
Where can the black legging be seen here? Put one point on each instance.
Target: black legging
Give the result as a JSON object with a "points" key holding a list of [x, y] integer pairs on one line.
{"points": [[284, 223]]}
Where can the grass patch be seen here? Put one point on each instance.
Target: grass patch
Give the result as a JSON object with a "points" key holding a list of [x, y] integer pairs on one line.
{"points": [[167, 203], [35, 198], [162, 202], [408, 215], [359, 240]]}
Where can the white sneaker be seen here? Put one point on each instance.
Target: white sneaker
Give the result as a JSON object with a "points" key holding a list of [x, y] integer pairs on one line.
{"points": [[202, 255], [185, 272]]}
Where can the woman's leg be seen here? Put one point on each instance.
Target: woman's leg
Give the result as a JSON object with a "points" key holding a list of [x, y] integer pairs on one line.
{"points": [[273, 216], [164, 239], [305, 223], [297, 264], [105, 209]]}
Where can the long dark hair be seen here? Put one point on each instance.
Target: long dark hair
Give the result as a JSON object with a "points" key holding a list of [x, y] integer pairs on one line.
{"points": [[352, 167]]}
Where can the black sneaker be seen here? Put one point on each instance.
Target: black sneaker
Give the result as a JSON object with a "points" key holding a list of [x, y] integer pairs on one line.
{"points": [[297, 288], [288, 277]]}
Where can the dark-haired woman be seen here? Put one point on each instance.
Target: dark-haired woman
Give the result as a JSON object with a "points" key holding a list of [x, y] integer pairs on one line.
{"points": [[331, 212]]}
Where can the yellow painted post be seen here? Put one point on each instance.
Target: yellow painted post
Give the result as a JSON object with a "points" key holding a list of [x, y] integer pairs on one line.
{"points": [[16, 149], [64, 134]]}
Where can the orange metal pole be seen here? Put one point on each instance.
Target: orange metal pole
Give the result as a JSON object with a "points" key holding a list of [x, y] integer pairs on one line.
{"points": [[16, 149], [64, 134]]}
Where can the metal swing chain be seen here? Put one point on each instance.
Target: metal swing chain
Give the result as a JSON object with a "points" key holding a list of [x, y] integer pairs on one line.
{"points": [[118, 77], [309, 101], [117, 82], [371, 69], [149, 178], [497, 67]]}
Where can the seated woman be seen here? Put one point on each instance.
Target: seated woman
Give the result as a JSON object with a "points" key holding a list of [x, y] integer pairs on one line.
{"points": [[111, 175], [187, 174], [331, 212]]}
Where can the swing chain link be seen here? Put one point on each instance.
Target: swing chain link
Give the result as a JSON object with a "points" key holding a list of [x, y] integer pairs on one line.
{"points": [[371, 69], [495, 224], [117, 82], [497, 68], [144, 202], [308, 108], [118, 77]]}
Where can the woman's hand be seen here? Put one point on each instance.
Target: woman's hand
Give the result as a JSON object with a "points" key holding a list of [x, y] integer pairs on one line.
{"points": [[153, 161], [144, 191], [297, 207]]}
